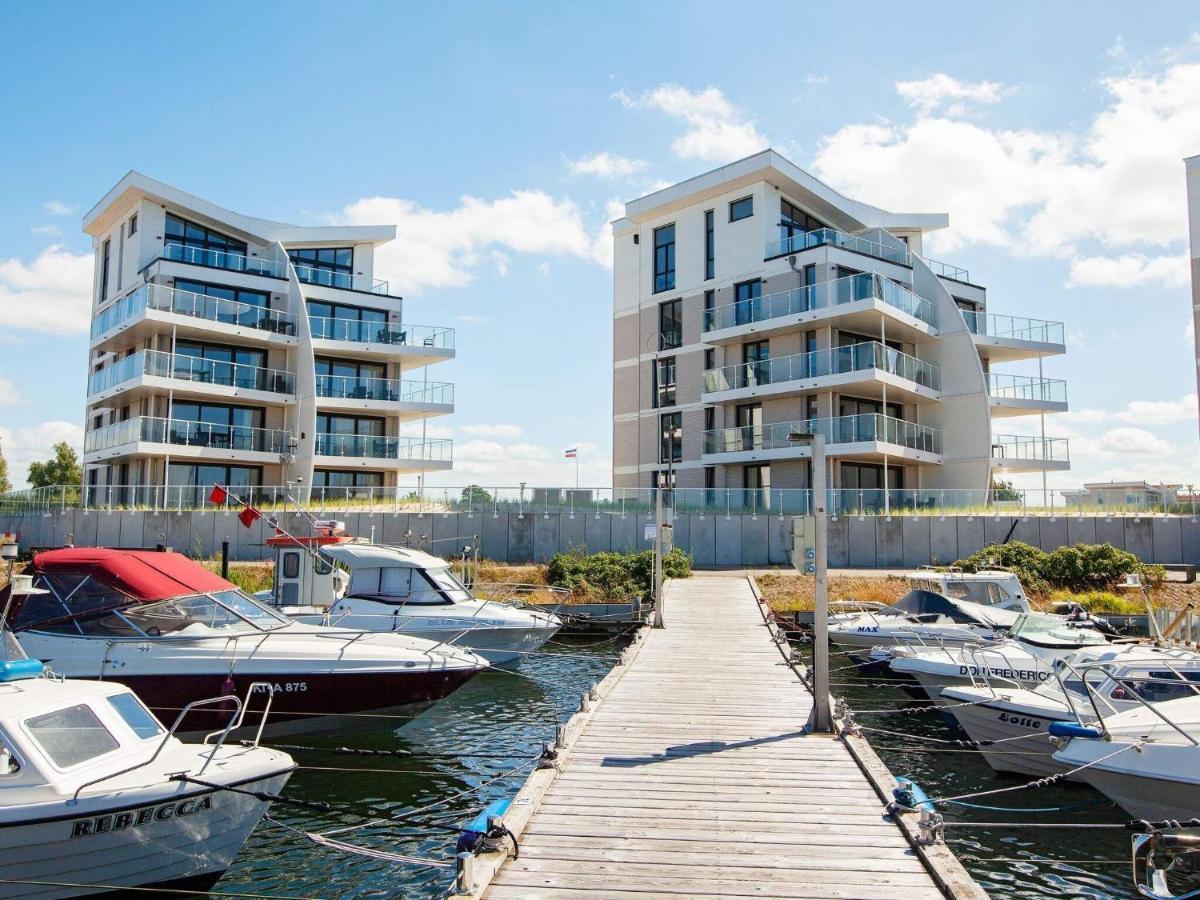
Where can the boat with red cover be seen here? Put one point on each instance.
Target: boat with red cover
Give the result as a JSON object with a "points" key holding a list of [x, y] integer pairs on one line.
{"points": [[175, 632]]}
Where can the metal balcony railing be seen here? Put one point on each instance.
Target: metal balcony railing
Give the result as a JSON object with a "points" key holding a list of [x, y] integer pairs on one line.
{"points": [[191, 368], [823, 236], [347, 281], [151, 429], [817, 363], [381, 447], [945, 270], [822, 295], [423, 336], [1017, 447], [837, 430], [347, 387], [199, 306], [1015, 327], [222, 259], [1026, 387]]}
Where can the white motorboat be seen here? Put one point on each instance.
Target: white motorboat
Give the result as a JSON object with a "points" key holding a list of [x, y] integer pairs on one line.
{"points": [[333, 579], [1023, 659], [1146, 760], [944, 608], [1093, 682], [95, 796], [174, 632]]}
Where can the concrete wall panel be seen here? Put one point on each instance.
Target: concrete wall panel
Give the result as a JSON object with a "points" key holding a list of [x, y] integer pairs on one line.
{"points": [[520, 538], [597, 530], [779, 541], [1190, 552], [1028, 531], [421, 526], [703, 540], [754, 540], [970, 536], [132, 525], [571, 533], [838, 550], [395, 526], [1168, 540], [495, 537], [995, 528], [108, 530], [1081, 530], [625, 532], [85, 528], [916, 536], [445, 534], [860, 542], [889, 541], [1053, 533], [729, 540], [943, 540], [1110, 530], [545, 536], [1139, 538]]}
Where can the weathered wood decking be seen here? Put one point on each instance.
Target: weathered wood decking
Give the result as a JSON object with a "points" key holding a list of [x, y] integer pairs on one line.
{"points": [[692, 776]]}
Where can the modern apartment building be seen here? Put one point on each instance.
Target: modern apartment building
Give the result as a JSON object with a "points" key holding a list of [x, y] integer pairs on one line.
{"points": [[235, 350], [754, 301], [1192, 170]]}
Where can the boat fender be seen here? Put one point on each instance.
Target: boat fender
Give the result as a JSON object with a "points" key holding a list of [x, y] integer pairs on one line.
{"points": [[18, 669], [1075, 730], [909, 795], [485, 828]]}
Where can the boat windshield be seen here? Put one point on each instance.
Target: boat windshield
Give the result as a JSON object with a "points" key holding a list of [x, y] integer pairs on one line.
{"points": [[1039, 628], [225, 611], [448, 583]]}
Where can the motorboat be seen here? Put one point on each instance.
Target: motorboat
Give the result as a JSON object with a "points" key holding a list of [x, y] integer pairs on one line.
{"points": [[944, 608], [329, 578], [96, 796], [1146, 760], [1025, 658], [1094, 682], [175, 632]]}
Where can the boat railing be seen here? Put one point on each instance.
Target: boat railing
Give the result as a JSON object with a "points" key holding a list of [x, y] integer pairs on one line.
{"points": [[1065, 665], [978, 667], [210, 701], [235, 722], [1107, 666]]}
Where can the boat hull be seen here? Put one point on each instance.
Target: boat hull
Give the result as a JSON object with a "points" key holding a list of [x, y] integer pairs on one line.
{"points": [[1026, 749], [1156, 781], [185, 837]]}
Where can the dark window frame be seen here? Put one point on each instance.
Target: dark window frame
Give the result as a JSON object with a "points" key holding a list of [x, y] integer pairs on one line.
{"points": [[710, 245], [665, 388], [736, 207], [670, 336], [133, 224], [664, 259], [311, 258], [670, 437], [212, 239], [105, 267]]}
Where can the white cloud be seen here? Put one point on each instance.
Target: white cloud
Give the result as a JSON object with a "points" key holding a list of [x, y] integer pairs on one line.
{"points": [[33, 443], [437, 249], [606, 165], [53, 293], [500, 431], [493, 462], [928, 94], [1131, 442], [426, 429], [1129, 270], [1138, 412], [9, 394], [58, 208], [717, 130], [1116, 181]]}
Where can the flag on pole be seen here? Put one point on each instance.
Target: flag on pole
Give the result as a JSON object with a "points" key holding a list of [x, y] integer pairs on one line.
{"points": [[573, 453], [219, 495], [248, 515]]}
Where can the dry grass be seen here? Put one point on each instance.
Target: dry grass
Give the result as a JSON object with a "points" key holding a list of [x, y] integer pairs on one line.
{"points": [[492, 572], [251, 577]]}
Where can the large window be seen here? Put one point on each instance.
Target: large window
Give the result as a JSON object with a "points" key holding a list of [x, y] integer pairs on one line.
{"points": [[106, 255], [710, 246], [744, 295], [194, 482], [329, 423], [859, 406], [670, 324], [868, 477], [336, 478], [793, 221], [664, 258], [741, 209], [671, 443], [230, 366], [189, 234], [341, 322], [331, 266], [664, 382], [351, 378], [243, 307], [218, 425]]}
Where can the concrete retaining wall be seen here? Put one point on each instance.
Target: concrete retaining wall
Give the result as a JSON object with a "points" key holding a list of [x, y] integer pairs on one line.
{"points": [[713, 540]]}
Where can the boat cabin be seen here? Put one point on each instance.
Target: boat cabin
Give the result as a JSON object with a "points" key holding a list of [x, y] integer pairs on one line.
{"points": [[998, 588]]}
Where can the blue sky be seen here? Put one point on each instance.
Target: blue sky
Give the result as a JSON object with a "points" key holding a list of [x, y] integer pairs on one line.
{"points": [[1052, 138]]}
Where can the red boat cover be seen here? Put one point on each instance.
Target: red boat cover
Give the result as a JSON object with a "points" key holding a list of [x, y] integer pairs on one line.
{"points": [[142, 574]]}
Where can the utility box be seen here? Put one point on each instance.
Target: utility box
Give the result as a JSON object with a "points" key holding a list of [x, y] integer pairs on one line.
{"points": [[804, 544], [668, 537]]}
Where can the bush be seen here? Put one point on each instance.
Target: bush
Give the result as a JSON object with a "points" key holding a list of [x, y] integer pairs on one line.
{"points": [[614, 577], [1101, 602], [1083, 567]]}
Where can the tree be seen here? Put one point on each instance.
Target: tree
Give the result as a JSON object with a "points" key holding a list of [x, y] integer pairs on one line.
{"points": [[62, 468], [5, 484], [474, 495], [1004, 490]]}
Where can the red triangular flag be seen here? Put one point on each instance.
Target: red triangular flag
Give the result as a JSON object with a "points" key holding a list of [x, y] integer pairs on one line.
{"points": [[248, 515], [219, 495]]}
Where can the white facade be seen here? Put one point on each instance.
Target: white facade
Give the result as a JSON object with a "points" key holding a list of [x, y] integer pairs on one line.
{"points": [[1192, 169], [805, 309], [233, 350]]}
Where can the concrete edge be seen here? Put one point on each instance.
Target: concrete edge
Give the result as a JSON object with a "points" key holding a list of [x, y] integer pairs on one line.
{"points": [[946, 870]]}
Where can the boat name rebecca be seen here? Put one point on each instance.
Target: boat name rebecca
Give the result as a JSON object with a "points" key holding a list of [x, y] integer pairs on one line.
{"points": [[136, 817], [1013, 674]]}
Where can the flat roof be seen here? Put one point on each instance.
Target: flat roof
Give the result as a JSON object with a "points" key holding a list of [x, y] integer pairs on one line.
{"points": [[135, 186]]}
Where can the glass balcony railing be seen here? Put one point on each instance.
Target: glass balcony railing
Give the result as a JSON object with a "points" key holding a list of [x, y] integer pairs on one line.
{"points": [[424, 336], [836, 361], [822, 295], [185, 432], [1019, 447], [945, 270], [222, 259], [199, 306], [380, 447], [823, 236], [1026, 387], [1015, 327], [117, 373], [837, 430], [347, 281], [346, 387]]}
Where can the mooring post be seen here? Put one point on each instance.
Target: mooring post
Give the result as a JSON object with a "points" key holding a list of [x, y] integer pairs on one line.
{"points": [[225, 559]]}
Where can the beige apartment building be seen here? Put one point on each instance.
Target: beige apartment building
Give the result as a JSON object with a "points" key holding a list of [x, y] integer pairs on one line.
{"points": [[754, 301], [228, 349]]}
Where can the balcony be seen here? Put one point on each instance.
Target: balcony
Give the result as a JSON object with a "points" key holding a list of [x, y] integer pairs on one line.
{"points": [[413, 345], [388, 394], [852, 436], [785, 309], [343, 281], [1022, 453], [221, 259], [863, 363], [199, 310], [945, 270], [387, 452], [196, 372], [822, 237], [1007, 338], [195, 438], [1017, 395]]}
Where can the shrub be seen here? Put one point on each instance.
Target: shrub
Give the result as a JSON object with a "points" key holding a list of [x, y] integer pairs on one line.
{"points": [[1025, 560], [1083, 567], [613, 577], [1101, 602]]}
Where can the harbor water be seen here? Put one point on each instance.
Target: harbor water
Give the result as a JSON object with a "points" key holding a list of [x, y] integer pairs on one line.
{"points": [[482, 742]]}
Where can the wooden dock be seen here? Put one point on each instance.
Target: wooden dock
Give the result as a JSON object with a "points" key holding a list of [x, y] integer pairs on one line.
{"points": [[689, 774]]}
